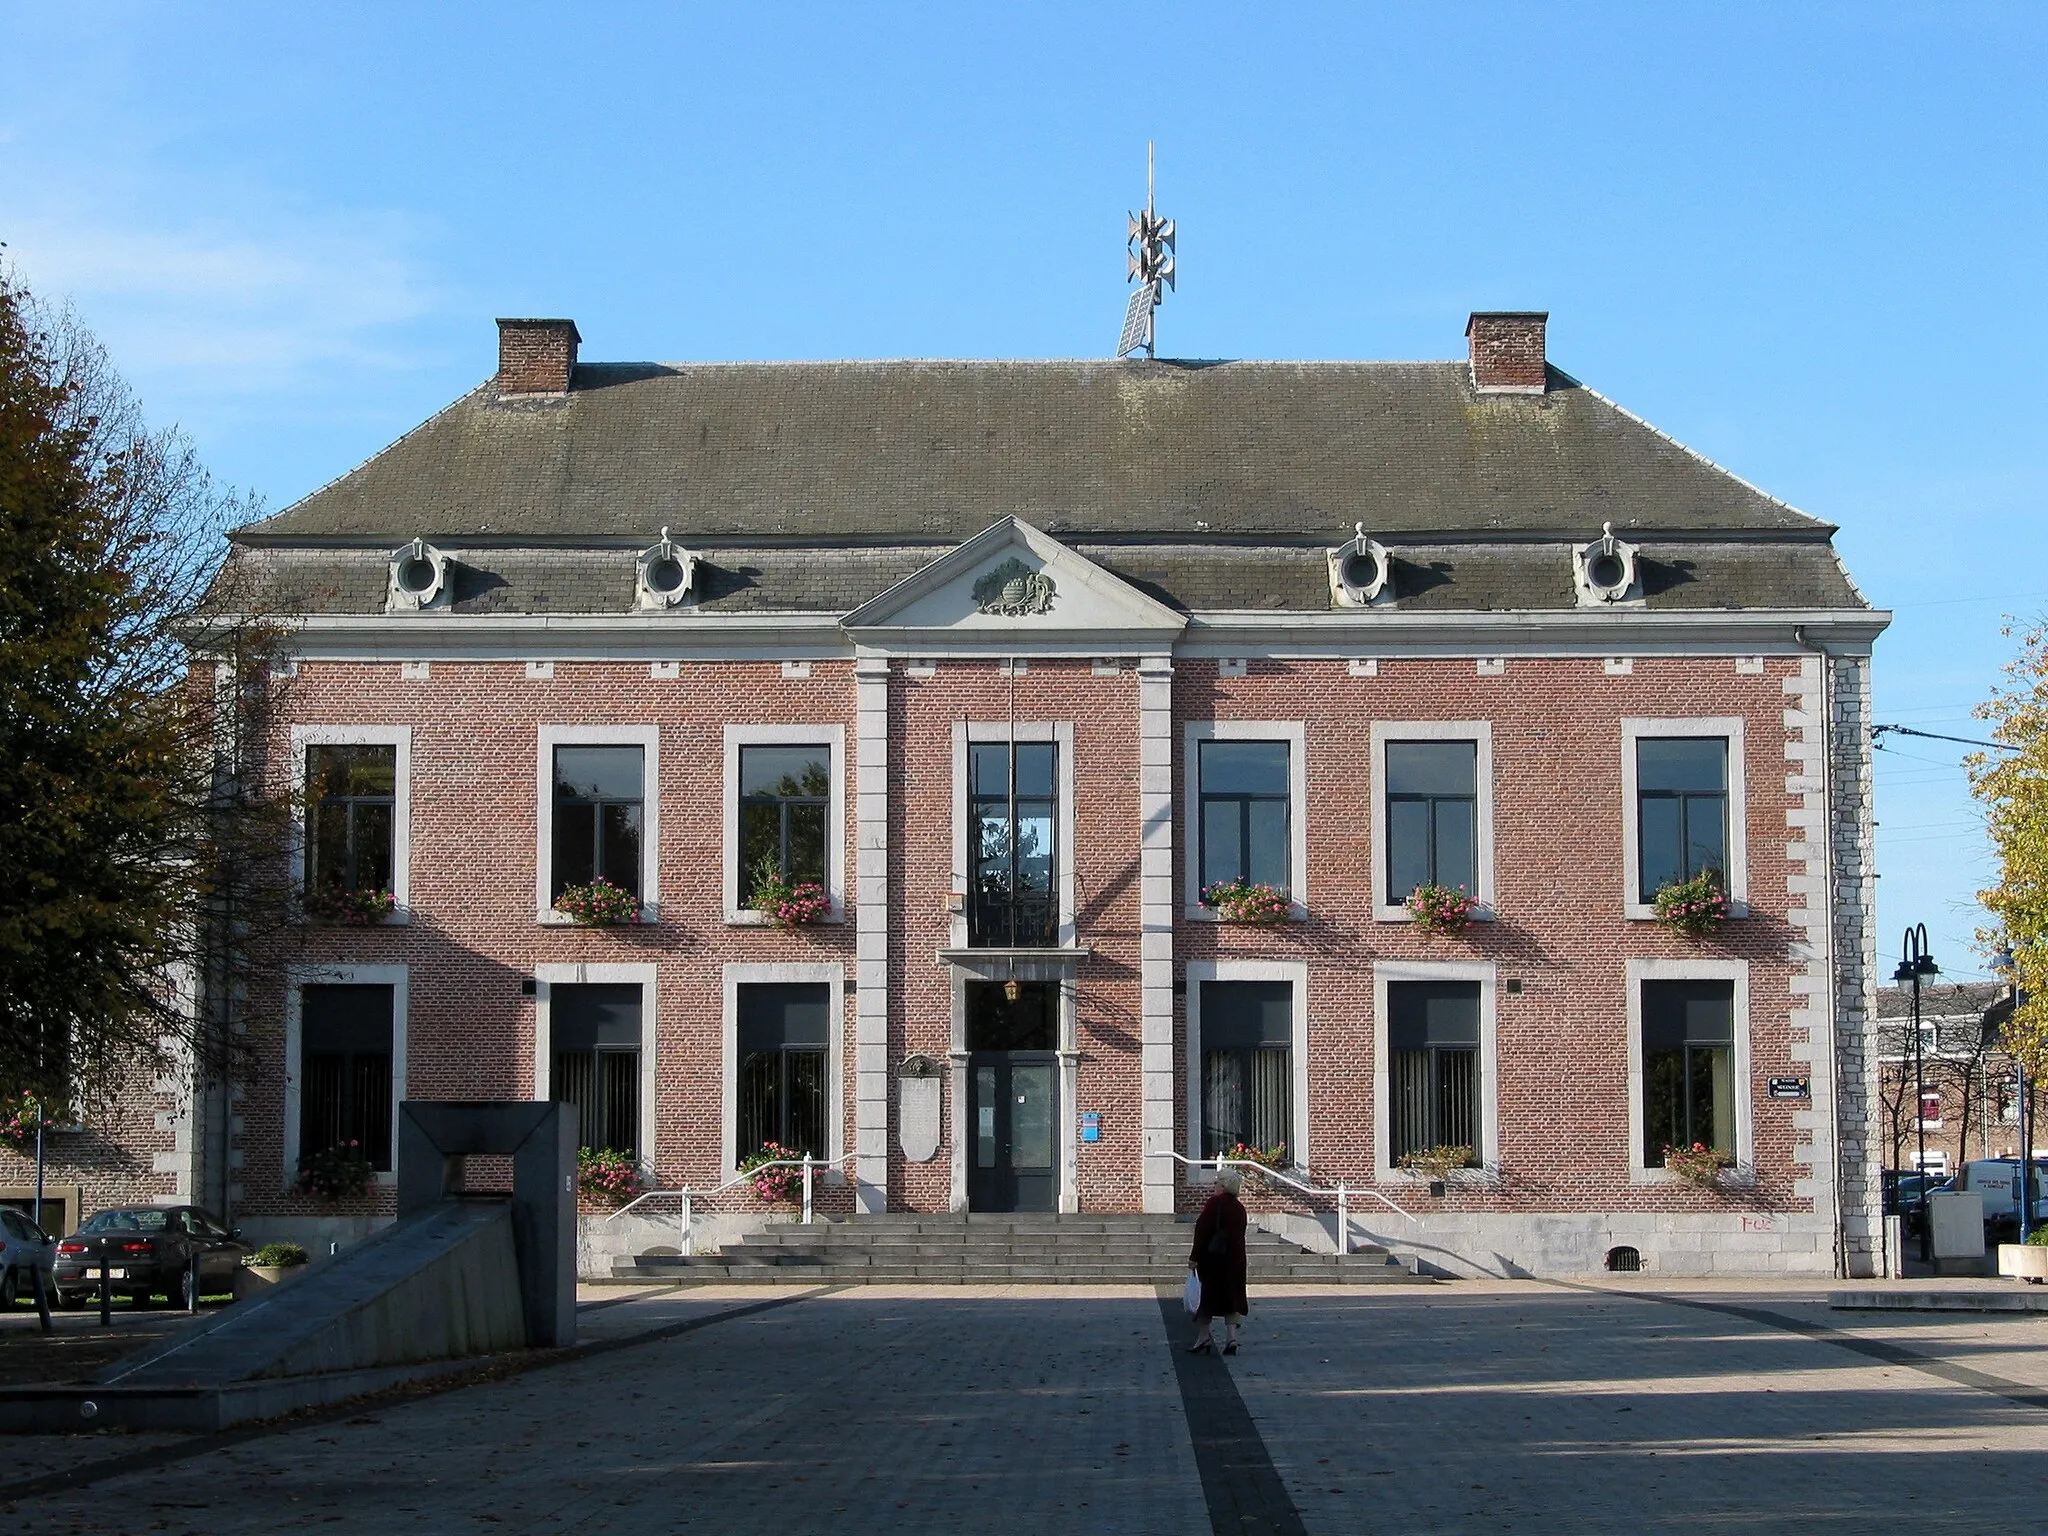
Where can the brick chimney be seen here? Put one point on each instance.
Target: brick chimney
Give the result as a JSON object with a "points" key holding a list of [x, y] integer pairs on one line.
{"points": [[1506, 348], [536, 357]]}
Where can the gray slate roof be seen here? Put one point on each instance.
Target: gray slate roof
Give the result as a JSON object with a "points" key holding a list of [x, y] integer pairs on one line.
{"points": [[812, 487], [940, 450], [1193, 578]]}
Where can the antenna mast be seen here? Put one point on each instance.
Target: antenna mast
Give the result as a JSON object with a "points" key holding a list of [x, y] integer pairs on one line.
{"points": [[1148, 260]]}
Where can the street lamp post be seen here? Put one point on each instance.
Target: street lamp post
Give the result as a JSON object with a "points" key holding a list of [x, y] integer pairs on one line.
{"points": [[2005, 963], [1916, 960]]}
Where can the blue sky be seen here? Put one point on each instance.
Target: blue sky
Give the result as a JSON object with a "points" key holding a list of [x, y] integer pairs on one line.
{"points": [[1804, 239]]}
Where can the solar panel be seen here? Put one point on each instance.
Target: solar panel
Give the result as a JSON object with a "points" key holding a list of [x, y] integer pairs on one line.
{"points": [[1138, 318]]}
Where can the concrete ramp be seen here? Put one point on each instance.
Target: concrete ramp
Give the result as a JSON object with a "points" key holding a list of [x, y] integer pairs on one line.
{"points": [[422, 1297], [455, 1278]]}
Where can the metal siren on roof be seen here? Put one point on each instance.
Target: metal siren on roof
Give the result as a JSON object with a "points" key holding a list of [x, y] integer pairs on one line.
{"points": [[419, 579], [1361, 572], [664, 576], [1605, 571]]}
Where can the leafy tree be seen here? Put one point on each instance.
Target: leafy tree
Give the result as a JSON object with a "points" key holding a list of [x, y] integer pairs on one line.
{"points": [[2013, 786], [135, 863]]}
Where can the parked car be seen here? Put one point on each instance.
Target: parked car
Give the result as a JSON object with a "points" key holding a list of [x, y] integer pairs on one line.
{"points": [[148, 1251], [24, 1249], [1997, 1180], [1905, 1196]]}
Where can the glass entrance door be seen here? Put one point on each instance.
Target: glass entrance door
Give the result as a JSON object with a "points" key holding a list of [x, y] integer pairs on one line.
{"points": [[1012, 1097]]}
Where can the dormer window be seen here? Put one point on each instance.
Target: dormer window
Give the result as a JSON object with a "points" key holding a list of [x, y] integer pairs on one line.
{"points": [[418, 579], [1361, 572], [1605, 571], [667, 575]]}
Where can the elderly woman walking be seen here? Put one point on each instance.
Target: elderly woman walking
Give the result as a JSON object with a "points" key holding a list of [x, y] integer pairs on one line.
{"points": [[1217, 1256]]}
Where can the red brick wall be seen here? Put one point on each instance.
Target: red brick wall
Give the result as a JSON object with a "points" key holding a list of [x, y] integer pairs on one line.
{"points": [[1558, 884], [1507, 351]]}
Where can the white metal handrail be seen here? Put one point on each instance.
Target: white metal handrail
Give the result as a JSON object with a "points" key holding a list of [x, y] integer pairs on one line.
{"points": [[1341, 1191], [810, 1165]]}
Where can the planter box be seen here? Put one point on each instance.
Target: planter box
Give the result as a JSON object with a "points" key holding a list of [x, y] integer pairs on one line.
{"points": [[2022, 1262], [255, 1279]]}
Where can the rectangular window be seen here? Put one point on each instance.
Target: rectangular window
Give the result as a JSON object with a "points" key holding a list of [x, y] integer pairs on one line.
{"points": [[351, 796], [1243, 824], [784, 1035], [785, 797], [345, 1070], [1681, 810], [594, 1034], [1247, 1064], [1688, 1067], [1013, 802], [1432, 816], [598, 811], [1930, 1109], [1433, 1063]]}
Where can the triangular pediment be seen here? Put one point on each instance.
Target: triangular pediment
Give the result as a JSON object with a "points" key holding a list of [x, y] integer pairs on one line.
{"points": [[1014, 586]]}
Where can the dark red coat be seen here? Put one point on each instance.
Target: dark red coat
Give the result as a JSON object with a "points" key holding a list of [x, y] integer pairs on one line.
{"points": [[1222, 1272]]}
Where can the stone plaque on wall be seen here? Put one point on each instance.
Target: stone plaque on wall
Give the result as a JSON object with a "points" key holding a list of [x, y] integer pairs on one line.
{"points": [[917, 1109]]}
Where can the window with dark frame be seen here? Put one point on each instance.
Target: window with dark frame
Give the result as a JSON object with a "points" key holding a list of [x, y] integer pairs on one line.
{"points": [[784, 1037], [594, 1037], [1243, 821], [1247, 1065], [1681, 810], [597, 817], [1432, 816], [1688, 1066], [345, 1050], [1013, 810], [352, 796], [785, 798], [1433, 1066]]}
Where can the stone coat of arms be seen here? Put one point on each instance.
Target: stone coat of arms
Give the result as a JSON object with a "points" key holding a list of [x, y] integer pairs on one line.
{"points": [[1014, 589]]}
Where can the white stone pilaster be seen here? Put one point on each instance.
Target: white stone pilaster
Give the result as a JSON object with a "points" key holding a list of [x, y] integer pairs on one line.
{"points": [[1157, 910], [871, 937]]}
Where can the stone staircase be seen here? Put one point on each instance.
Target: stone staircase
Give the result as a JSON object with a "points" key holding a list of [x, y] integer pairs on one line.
{"points": [[1002, 1249]]}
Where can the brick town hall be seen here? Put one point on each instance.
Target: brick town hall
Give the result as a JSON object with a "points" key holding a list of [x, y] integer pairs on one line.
{"points": [[1039, 671]]}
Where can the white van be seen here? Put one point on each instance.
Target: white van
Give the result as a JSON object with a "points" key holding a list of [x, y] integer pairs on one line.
{"points": [[1997, 1179]]}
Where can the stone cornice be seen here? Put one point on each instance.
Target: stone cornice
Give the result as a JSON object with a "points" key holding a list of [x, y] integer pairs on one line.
{"points": [[1299, 636]]}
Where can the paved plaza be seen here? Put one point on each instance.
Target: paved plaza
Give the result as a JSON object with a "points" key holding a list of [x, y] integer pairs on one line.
{"points": [[1519, 1406]]}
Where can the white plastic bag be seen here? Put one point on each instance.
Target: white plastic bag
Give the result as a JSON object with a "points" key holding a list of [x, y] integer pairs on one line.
{"points": [[1191, 1293]]}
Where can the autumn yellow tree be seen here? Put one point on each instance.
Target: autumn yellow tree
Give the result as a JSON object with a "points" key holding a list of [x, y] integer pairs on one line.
{"points": [[2013, 786]]}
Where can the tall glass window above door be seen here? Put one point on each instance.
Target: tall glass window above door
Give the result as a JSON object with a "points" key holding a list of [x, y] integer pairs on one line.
{"points": [[1013, 801]]}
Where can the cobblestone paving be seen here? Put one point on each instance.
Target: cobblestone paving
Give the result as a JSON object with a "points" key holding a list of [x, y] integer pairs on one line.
{"points": [[1469, 1408]]}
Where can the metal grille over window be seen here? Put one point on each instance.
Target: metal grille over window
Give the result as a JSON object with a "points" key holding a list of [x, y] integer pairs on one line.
{"points": [[1681, 810], [1244, 812], [595, 1033], [1247, 1064], [784, 1032], [784, 796], [1688, 1067], [1433, 1057], [598, 808], [345, 1071], [353, 792], [1012, 789], [1432, 816]]}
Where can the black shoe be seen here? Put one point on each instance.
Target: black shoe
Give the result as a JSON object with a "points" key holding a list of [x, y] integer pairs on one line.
{"points": [[1202, 1347], [1230, 1348]]}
